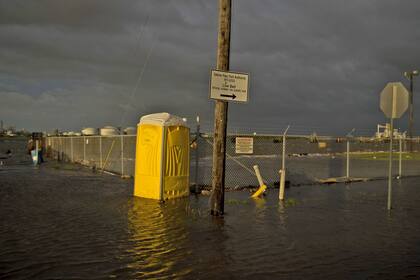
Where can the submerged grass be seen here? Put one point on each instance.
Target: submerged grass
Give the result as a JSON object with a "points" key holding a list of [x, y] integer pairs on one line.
{"points": [[237, 201], [290, 202]]}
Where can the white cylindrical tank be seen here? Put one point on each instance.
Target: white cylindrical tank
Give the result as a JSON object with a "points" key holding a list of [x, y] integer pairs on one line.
{"points": [[89, 131], [109, 130], [130, 130]]}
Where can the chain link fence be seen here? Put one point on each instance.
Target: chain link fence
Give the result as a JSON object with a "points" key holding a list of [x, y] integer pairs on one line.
{"points": [[111, 153], [308, 160]]}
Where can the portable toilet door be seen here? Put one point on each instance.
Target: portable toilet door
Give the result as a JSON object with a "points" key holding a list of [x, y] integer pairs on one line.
{"points": [[162, 157], [177, 162]]}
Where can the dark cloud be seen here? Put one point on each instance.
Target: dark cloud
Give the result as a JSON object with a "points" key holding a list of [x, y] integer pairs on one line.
{"points": [[318, 65]]}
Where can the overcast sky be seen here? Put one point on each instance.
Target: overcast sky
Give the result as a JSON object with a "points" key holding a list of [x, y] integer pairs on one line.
{"points": [[317, 65]]}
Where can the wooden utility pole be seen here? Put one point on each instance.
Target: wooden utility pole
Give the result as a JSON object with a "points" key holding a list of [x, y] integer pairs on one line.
{"points": [[220, 114]]}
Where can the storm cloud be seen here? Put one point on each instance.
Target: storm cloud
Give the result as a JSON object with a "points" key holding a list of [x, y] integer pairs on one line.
{"points": [[317, 65]]}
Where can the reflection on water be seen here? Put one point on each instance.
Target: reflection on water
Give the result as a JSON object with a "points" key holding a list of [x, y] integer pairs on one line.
{"points": [[158, 236]]}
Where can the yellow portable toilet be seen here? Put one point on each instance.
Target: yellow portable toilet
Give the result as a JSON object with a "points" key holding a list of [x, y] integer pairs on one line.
{"points": [[162, 166]]}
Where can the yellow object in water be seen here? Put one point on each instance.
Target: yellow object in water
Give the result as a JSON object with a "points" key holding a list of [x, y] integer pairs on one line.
{"points": [[260, 191], [263, 187], [162, 157]]}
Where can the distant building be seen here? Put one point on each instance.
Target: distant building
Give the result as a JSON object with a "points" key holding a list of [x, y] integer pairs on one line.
{"points": [[10, 133]]}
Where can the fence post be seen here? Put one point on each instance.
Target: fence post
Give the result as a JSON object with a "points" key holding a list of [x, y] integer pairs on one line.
{"points": [[348, 137], [71, 147], [60, 149], [400, 161], [84, 149], [100, 152], [122, 155], [283, 167], [197, 137], [348, 160]]}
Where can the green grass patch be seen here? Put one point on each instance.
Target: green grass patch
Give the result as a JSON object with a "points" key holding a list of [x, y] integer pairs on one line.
{"points": [[236, 202], [290, 202]]}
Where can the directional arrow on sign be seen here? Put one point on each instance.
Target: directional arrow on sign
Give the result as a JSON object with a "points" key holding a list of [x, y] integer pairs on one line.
{"points": [[233, 96]]}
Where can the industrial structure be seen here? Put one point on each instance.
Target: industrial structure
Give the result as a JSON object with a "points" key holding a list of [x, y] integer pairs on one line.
{"points": [[384, 131]]}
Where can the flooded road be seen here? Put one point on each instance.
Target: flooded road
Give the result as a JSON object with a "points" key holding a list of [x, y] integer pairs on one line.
{"points": [[63, 221]]}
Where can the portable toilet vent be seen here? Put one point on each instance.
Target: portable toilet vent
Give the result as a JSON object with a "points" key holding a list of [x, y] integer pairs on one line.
{"points": [[162, 157]]}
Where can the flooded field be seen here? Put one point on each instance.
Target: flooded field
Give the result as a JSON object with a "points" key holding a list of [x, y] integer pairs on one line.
{"points": [[64, 221]]}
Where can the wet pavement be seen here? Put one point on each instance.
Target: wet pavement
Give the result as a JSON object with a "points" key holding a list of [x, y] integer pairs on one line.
{"points": [[62, 221]]}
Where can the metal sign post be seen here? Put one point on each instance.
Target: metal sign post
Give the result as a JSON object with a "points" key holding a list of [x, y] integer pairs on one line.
{"points": [[390, 165], [393, 102]]}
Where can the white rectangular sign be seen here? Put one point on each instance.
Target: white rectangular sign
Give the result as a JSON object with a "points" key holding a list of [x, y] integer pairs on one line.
{"points": [[229, 86], [244, 145]]}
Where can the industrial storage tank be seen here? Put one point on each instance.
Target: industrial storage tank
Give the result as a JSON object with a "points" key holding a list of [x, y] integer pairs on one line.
{"points": [[130, 131], [88, 131], [109, 131]]}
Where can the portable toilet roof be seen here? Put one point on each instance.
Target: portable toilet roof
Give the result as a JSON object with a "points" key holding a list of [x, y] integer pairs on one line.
{"points": [[162, 119]]}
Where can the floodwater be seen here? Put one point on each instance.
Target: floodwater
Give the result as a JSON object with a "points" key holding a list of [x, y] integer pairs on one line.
{"points": [[64, 221]]}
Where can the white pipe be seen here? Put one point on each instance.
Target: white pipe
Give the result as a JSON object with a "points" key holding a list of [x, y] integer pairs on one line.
{"points": [[257, 172], [282, 183]]}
